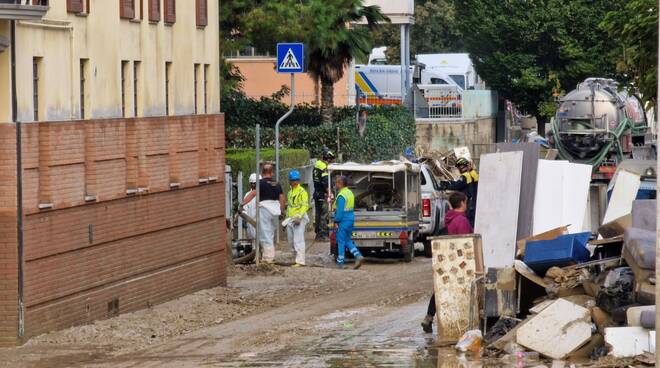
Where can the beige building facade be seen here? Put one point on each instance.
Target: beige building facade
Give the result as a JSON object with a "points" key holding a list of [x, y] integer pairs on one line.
{"points": [[111, 158], [101, 61]]}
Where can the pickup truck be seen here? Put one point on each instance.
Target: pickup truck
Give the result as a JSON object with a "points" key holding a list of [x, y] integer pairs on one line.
{"points": [[434, 207], [387, 206]]}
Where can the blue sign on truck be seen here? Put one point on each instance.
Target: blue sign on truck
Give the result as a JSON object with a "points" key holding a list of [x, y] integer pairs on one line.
{"points": [[290, 58]]}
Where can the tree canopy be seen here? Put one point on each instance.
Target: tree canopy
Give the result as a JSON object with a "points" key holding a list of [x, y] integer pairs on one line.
{"points": [[434, 31], [325, 26], [532, 51], [635, 27]]}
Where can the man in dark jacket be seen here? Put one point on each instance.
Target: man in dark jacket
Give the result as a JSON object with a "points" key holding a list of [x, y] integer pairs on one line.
{"points": [[457, 224], [468, 184], [320, 176]]}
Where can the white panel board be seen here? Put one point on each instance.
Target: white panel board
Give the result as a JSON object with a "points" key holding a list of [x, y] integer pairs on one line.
{"points": [[497, 206], [624, 193], [562, 193], [627, 342], [577, 178], [556, 331]]}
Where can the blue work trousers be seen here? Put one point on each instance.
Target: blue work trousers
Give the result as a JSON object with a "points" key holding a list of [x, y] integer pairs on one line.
{"points": [[344, 233]]}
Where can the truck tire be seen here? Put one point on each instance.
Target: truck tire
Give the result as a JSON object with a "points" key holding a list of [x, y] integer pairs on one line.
{"points": [[408, 252], [428, 250]]}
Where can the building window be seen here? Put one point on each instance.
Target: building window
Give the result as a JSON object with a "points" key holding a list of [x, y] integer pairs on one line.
{"points": [[127, 9], [75, 6], [124, 87], [169, 11], [168, 85], [36, 80], [83, 87], [206, 84], [196, 73], [202, 13], [136, 87], [154, 10]]}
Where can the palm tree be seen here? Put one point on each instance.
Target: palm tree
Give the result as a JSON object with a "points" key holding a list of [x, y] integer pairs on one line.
{"points": [[333, 42]]}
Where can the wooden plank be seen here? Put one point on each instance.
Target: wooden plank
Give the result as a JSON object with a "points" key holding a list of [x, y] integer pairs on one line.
{"points": [[624, 193], [531, 153], [457, 262], [497, 206]]}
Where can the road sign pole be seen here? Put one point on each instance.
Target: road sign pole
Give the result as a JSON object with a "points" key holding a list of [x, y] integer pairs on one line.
{"points": [[277, 127], [257, 170]]}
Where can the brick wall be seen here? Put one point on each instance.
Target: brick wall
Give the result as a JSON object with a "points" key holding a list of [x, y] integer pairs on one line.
{"points": [[120, 214]]}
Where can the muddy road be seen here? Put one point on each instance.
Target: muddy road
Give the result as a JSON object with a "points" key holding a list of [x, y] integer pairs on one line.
{"points": [[274, 316]]}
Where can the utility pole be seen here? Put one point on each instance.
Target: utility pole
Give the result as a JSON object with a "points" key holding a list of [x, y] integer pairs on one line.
{"points": [[657, 240]]}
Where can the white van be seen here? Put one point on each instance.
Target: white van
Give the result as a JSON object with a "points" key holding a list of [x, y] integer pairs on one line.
{"points": [[381, 84]]}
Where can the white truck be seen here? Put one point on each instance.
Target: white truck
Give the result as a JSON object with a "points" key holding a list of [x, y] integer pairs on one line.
{"points": [[458, 66], [434, 207], [381, 84]]}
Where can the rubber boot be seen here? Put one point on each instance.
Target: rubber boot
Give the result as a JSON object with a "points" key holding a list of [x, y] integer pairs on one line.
{"points": [[427, 324], [358, 262]]}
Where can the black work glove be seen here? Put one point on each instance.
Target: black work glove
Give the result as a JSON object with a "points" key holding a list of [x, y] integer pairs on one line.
{"points": [[444, 185]]}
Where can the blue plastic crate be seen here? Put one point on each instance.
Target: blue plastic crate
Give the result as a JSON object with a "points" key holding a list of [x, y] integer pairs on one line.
{"points": [[563, 251]]}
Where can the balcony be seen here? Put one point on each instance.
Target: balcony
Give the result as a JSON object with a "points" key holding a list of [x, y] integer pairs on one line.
{"points": [[23, 9]]}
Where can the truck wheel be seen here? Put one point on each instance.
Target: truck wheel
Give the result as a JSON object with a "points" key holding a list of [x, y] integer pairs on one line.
{"points": [[408, 252], [428, 250]]}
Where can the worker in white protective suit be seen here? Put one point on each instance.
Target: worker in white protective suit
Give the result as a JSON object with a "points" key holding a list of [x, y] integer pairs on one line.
{"points": [[297, 205], [271, 207], [251, 208]]}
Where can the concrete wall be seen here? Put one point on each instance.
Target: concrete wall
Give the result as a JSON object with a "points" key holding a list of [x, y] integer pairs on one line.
{"points": [[444, 135], [123, 211], [100, 36], [261, 80]]}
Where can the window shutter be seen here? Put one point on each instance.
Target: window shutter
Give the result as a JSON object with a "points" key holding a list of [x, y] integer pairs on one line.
{"points": [[202, 16], [74, 6], [170, 11], [154, 10], [127, 9]]}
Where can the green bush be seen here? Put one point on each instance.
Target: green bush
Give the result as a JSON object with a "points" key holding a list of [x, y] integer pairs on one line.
{"points": [[244, 112], [244, 159], [389, 131]]}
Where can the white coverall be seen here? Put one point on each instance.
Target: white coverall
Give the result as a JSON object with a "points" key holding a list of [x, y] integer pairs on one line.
{"points": [[251, 210], [269, 214], [295, 234]]}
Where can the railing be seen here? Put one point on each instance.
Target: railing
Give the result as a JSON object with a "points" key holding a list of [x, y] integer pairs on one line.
{"points": [[451, 102], [25, 2]]}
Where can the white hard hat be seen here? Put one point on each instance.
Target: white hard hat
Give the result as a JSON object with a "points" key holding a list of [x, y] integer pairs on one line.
{"points": [[253, 178]]}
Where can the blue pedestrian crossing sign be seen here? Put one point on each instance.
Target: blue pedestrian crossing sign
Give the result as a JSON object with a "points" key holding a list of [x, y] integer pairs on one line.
{"points": [[290, 58]]}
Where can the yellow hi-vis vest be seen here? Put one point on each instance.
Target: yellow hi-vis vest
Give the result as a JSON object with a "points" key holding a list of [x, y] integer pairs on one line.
{"points": [[471, 176], [322, 166], [349, 199], [297, 202]]}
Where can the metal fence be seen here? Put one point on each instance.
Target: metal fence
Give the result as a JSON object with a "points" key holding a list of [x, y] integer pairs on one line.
{"points": [[451, 103]]}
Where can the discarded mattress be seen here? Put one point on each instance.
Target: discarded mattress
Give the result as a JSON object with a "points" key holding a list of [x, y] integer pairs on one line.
{"points": [[640, 245], [563, 251]]}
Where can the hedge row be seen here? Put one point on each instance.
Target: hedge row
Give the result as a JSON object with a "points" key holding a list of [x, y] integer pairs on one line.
{"points": [[244, 112], [388, 133]]}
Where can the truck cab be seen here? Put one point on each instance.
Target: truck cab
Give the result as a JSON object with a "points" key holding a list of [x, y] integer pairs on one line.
{"points": [[434, 207]]}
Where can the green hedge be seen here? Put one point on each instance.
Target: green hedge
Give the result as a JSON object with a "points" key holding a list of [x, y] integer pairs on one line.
{"points": [[389, 131], [244, 112], [244, 160]]}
